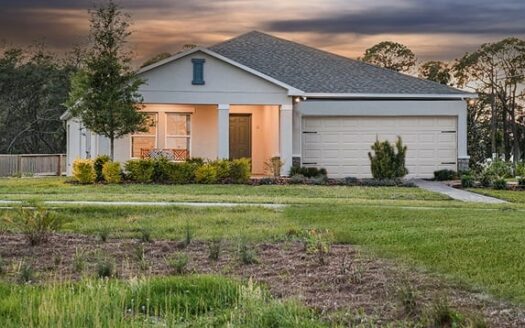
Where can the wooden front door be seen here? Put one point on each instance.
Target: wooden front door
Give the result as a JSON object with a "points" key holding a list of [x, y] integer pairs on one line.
{"points": [[240, 136]]}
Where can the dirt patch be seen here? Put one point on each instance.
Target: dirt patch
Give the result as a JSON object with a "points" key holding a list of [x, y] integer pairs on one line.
{"points": [[348, 283]]}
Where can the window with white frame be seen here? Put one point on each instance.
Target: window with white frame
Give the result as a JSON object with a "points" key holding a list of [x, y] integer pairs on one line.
{"points": [[143, 142], [178, 131]]}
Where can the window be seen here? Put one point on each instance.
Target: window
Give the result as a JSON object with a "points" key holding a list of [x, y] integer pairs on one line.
{"points": [[198, 71], [178, 133], [143, 142]]}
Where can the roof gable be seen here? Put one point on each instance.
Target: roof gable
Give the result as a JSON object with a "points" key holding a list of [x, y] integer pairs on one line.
{"points": [[322, 73]]}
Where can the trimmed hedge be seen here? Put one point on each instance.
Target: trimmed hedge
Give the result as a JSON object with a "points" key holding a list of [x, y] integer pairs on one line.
{"points": [[99, 164], [444, 175], [140, 170], [307, 172], [111, 172]]}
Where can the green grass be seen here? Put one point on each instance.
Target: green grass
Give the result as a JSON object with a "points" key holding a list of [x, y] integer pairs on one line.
{"points": [[56, 189], [190, 301], [514, 196]]}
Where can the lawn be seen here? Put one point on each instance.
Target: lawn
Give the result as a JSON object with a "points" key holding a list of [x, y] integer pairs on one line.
{"points": [[478, 246], [56, 189], [514, 196]]}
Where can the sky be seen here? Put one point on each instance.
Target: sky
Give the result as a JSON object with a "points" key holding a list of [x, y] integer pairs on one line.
{"points": [[433, 29]]}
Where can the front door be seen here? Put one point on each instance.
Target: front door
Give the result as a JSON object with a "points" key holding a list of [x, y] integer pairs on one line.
{"points": [[240, 136]]}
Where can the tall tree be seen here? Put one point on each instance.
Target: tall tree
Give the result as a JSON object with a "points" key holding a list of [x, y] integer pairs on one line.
{"points": [[391, 55], [33, 88], [104, 94], [436, 71], [496, 71]]}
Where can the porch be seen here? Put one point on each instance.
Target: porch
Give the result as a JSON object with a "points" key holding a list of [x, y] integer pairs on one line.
{"points": [[223, 131]]}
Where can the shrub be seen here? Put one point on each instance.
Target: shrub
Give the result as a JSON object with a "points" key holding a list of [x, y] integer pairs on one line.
{"points": [[105, 268], [521, 182], [145, 235], [196, 161], [103, 234], [297, 179], [111, 172], [247, 254], [388, 162], [214, 248], [407, 296], [486, 179], [273, 166], [240, 170], [317, 241], [140, 170], [206, 174], [35, 223], [84, 171], [178, 262], [520, 169], [441, 315], [222, 167], [444, 175], [161, 169], [499, 169], [308, 172], [98, 165], [26, 273], [182, 173], [500, 183], [467, 181]]}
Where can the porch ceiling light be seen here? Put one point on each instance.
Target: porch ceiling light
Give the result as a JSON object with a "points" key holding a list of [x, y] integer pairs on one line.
{"points": [[472, 101]]}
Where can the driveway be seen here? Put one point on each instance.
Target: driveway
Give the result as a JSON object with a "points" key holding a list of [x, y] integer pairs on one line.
{"points": [[457, 194]]}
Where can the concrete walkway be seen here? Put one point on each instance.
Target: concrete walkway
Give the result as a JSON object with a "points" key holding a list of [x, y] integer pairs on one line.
{"points": [[457, 194], [10, 203]]}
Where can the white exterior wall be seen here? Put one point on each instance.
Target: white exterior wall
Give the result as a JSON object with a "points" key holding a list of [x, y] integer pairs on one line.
{"points": [[456, 108]]}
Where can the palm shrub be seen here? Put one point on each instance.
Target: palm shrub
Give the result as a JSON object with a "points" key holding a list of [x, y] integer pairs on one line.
{"points": [[387, 161], [84, 171], [140, 170], [36, 223], [98, 165], [111, 172]]}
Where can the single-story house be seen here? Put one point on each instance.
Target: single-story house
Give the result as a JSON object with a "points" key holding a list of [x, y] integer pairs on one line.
{"points": [[260, 96]]}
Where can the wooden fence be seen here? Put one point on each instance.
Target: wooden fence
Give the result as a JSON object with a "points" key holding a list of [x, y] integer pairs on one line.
{"points": [[32, 164]]}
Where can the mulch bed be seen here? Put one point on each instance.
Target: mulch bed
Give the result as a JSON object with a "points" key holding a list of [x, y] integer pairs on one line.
{"points": [[349, 282]]}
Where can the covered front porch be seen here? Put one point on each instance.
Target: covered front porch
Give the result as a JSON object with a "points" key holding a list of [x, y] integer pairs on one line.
{"points": [[222, 131]]}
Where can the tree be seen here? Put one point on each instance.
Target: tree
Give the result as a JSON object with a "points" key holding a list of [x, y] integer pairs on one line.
{"points": [[436, 71], [33, 88], [496, 71], [391, 55], [156, 58], [104, 94]]}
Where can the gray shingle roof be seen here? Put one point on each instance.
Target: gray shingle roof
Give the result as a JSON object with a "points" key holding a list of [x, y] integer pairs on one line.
{"points": [[315, 71]]}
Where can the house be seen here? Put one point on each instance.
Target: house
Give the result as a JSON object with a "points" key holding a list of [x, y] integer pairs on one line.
{"points": [[260, 96]]}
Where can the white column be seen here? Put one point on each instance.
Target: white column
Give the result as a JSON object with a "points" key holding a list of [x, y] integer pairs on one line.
{"points": [[286, 137], [463, 157], [223, 130]]}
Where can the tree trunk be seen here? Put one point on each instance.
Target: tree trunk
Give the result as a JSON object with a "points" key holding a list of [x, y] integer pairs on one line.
{"points": [[112, 147]]}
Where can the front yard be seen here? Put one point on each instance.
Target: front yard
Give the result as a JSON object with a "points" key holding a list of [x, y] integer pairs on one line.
{"points": [[383, 240]]}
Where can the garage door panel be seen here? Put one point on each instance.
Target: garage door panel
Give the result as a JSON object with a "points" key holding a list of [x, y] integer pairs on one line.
{"points": [[341, 144]]}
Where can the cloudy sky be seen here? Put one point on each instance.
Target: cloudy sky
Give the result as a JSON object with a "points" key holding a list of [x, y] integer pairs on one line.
{"points": [[433, 29]]}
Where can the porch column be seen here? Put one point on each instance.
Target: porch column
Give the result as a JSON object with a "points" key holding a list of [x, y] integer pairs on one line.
{"points": [[286, 137], [223, 129]]}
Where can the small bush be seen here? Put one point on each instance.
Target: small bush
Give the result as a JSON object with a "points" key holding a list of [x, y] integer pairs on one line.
{"points": [[247, 254], [297, 179], [98, 165], [206, 174], [105, 268], [111, 172], [35, 223], [499, 169], [178, 263], [521, 182], [308, 172], [214, 247], [486, 179], [318, 241], [222, 167], [26, 273], [467, 181], [145, 235], [162, 169], [441, 315], [103, 234], [387, 161], [84, 171], [195, 161], [182, 173], [240, 170], [520, 170], [444, 175], [500, 184], [140, 170], [407, 296]]}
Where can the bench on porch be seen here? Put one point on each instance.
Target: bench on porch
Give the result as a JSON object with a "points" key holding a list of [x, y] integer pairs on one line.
{"points": [[178, 155]]}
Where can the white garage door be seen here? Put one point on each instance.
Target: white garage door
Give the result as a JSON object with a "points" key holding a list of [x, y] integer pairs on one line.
{"points": [[341, 144]]}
